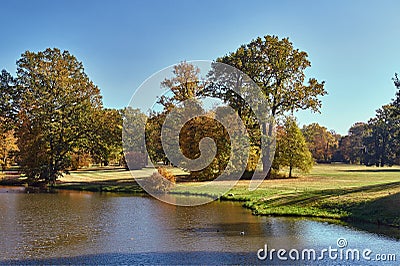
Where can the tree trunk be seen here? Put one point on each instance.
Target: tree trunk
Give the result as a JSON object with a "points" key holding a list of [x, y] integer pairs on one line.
{"points": [[266, 155], [52, 177], [290, 171]]}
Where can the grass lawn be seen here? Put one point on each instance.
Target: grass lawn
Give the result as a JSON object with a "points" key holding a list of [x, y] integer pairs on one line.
{"points": [[111, 174], [107, 179], [347, 192]]}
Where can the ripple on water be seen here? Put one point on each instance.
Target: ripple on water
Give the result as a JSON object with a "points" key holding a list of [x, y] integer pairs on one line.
{"points": [[91, 228]]}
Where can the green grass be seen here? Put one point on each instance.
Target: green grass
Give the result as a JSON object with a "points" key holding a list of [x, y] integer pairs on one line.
{"points": [[346, 192]]}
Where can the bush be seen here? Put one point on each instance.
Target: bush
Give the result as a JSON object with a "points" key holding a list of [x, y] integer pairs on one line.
{"points": [[160, 182]]}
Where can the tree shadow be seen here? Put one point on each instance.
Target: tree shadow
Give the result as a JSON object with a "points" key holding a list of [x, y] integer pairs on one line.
{"points": [[371, 170], [380, 215], [316, 195], [382, 212]]}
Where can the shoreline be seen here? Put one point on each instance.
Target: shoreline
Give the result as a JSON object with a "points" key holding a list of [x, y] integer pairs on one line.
{"points": [[347, 193], [135, 189]]}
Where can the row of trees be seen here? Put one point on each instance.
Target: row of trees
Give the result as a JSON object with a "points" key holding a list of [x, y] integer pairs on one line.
{"points": [[376, 142], [52, 118]]}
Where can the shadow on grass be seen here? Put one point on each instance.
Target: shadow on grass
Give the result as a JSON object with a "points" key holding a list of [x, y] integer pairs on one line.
{"points": [[383, 210], [381, 216], [374, 208], [101, 169], [316, 195], [371, 170], [116, 185]]}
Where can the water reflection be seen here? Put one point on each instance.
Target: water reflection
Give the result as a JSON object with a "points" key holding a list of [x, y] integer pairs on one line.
{"points": [[77, 227], [52, 224]]}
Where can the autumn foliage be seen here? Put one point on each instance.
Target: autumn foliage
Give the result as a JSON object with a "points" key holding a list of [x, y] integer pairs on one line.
{"points": [[160, 181]]}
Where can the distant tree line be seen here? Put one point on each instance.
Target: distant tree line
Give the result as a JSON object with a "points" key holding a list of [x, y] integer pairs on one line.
{"points": [[376, 142]]}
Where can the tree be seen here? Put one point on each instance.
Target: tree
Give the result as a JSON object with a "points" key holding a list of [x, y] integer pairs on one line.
{"points": [[279, 70], [343, 153], [106, 144], [351, 147], [56, 112], [184, 85], [133, 120], [8, 148], [241, 94], [8, 102], [153, 137], [184, 90], [134, 144], [321, 142], [8, 110], [396, 118], [381, 138], [194, 125], [357, 149], [189, 139], [292, 150], [396, 101]]}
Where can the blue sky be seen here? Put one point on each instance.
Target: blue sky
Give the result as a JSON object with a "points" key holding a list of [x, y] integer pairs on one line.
{"points": [[352, 45]]}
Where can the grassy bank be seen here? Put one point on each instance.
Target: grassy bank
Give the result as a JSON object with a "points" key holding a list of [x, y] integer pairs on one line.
{"points": [[108, 180], [102, 180], [346, 192]]}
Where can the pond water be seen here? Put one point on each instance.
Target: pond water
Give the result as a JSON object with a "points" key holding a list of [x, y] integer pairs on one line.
{"points": [[91, 228]]}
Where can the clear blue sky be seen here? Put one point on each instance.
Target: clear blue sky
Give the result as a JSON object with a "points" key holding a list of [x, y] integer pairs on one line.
{"points": [[353, 45]]}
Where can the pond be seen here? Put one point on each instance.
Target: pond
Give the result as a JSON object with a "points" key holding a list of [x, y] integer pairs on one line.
{"points": [[71, 227]]}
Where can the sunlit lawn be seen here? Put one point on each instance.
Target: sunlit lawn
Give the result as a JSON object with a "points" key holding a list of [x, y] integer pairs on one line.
{"points": [[337, 191], [111, 175], [324, 177]]}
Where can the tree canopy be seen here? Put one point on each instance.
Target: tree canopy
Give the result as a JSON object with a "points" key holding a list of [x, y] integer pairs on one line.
{"points": [[56, 110], [279, 70], [321, 142], [292, 150]]}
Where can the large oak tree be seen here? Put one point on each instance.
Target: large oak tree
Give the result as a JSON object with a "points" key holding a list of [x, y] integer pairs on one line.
{"points": [[279, 70], [55, 111]]}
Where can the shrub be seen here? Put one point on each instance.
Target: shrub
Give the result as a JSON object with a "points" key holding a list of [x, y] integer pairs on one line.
{"points": [[160, 182]]}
